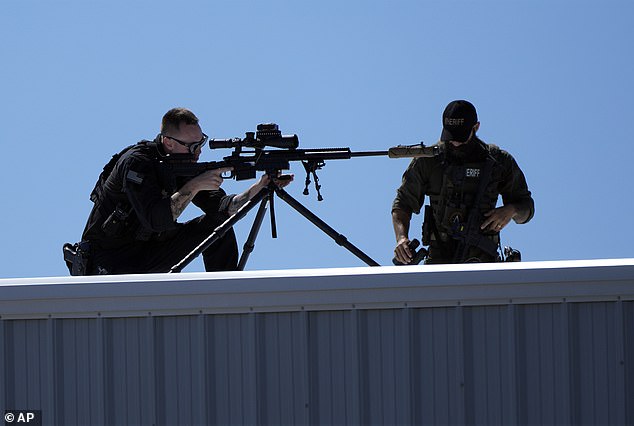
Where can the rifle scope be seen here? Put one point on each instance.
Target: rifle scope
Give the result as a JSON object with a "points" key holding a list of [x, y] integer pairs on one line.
{"points": [[267, 135]]}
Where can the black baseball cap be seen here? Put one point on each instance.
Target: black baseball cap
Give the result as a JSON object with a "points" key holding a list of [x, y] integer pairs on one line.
{"points": [[458, 120]]}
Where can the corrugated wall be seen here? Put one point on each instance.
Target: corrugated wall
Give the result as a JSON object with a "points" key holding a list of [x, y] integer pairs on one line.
{"points": [[548, 363]]}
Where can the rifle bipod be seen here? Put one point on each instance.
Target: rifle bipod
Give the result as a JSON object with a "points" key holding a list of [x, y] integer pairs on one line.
{"points": [[265, 197]]}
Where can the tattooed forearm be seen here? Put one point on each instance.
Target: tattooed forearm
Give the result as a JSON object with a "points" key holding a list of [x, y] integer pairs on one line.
{"points": [[180, 200], [237, 202]]}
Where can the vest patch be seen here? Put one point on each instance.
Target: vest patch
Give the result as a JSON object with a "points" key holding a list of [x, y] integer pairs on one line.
{"points": [[472, 173]]}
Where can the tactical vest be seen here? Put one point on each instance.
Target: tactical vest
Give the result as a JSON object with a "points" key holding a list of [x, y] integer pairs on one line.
{"points": [[97, 194], [468, 191], [119, 217]]}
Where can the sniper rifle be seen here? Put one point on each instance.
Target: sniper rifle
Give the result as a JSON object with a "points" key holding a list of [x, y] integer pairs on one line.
{"points": [[251, 155]]}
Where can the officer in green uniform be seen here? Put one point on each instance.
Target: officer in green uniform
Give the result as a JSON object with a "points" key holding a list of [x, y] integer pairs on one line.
{"points": [[463, 182]]}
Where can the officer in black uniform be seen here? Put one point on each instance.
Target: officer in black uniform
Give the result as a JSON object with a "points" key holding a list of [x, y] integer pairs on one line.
{"points": [[463, 182], [133, 225]]}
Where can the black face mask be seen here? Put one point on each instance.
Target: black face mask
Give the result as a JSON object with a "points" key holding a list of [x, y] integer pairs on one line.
{"points": [[464, 151]]}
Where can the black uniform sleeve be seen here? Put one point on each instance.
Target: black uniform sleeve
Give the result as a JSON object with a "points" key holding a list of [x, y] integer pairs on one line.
{"points": [[213, 202], [142, 186], [514, 189], [410, 196]]}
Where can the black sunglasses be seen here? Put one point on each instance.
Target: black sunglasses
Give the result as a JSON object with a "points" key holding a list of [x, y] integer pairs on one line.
{"points": [[192, 146]]}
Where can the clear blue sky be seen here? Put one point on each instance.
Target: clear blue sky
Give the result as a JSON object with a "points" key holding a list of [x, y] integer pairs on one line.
{"points": [[552, 81]]}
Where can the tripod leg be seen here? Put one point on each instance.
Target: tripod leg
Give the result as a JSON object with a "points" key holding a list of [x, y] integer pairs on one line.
{"points": [[249, 245], [221, 230], [339, 239], [273, 225]]}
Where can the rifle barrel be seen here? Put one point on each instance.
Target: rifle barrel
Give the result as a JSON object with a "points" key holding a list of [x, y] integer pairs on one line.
{"points": [[369, 153], [327, 154]]}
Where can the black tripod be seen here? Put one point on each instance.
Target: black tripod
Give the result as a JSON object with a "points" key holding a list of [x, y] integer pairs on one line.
{"points": [[266, 197]]}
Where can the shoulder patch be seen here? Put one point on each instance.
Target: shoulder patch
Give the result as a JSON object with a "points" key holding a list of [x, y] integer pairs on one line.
{"points": [[134, 177]]}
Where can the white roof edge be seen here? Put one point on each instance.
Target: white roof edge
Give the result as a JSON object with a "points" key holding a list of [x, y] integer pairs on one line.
{"points": [[317, 289], [362, 270]]}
